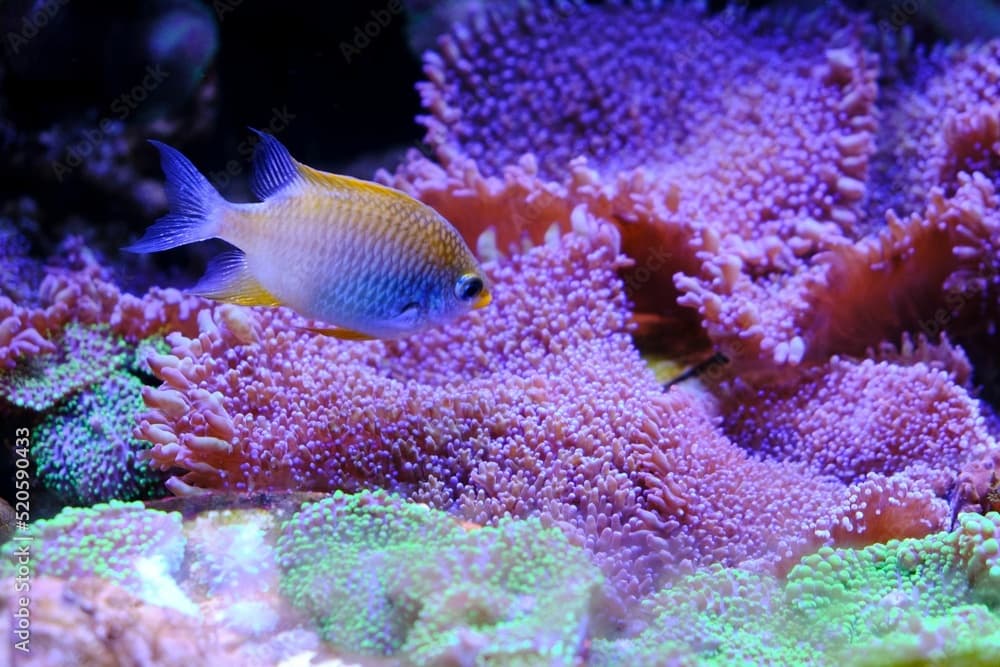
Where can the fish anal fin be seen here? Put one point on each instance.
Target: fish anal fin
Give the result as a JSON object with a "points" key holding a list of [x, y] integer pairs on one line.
{"points": [[337, 332], [228, 279]]}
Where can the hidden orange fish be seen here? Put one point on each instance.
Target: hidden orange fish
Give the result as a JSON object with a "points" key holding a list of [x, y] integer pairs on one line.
{"points": [[369, 260]]}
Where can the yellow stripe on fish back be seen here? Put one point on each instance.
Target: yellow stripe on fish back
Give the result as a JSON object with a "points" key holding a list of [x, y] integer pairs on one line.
{"points": [[352, 185], [382, 210]]}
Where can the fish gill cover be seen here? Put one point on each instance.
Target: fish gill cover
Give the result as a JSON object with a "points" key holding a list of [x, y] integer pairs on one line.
{"points": [[804, 194]]}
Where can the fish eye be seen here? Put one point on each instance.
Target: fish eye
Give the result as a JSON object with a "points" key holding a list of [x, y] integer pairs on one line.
{"points": [[468, 287]]}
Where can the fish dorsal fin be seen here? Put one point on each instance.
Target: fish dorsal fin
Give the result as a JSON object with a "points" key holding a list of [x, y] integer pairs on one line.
{"points": [[228, 279], [328, 180], [274, 168]]}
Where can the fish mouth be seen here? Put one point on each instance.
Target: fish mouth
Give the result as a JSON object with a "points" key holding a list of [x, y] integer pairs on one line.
{"points": [[482, 300]]}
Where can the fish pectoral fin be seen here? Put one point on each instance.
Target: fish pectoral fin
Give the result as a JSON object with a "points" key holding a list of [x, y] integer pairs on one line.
{"points": [[337, 332], [228, 279]]}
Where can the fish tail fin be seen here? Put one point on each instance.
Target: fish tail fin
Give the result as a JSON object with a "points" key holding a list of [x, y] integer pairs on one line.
{"points": [[194, 206]]}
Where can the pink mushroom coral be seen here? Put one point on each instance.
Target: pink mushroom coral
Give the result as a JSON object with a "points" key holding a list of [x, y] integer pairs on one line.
{"points": [[539, 405], [85, 295], [750, 167]]}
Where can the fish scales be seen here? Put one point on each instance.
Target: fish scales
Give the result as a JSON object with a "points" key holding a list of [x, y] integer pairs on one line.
{"points": [[369, 260]]}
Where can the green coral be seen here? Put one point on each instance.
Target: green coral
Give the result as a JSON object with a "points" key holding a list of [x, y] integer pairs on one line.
{"points": [[85, 354], [928, 601], [968, 636], [719, 616], [137, 359], [89, 393], [123, 542], [381, 576], [85, 450]]}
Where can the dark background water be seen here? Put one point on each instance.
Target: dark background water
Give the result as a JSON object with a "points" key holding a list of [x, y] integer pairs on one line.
{"points": [[83, 83], [296, 56]]}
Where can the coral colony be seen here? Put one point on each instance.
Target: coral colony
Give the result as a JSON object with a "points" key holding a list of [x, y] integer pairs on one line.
{"points": [[780, 190]]}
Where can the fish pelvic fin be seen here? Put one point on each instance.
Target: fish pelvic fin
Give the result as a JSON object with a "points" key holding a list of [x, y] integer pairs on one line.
{"points": [[194, 206], [337, 332], [274, 168], [228, 279]]}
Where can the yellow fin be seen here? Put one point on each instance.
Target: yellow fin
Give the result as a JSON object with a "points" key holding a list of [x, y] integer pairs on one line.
{"points": [[337, 332], [326, 179], [228, 279]]}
